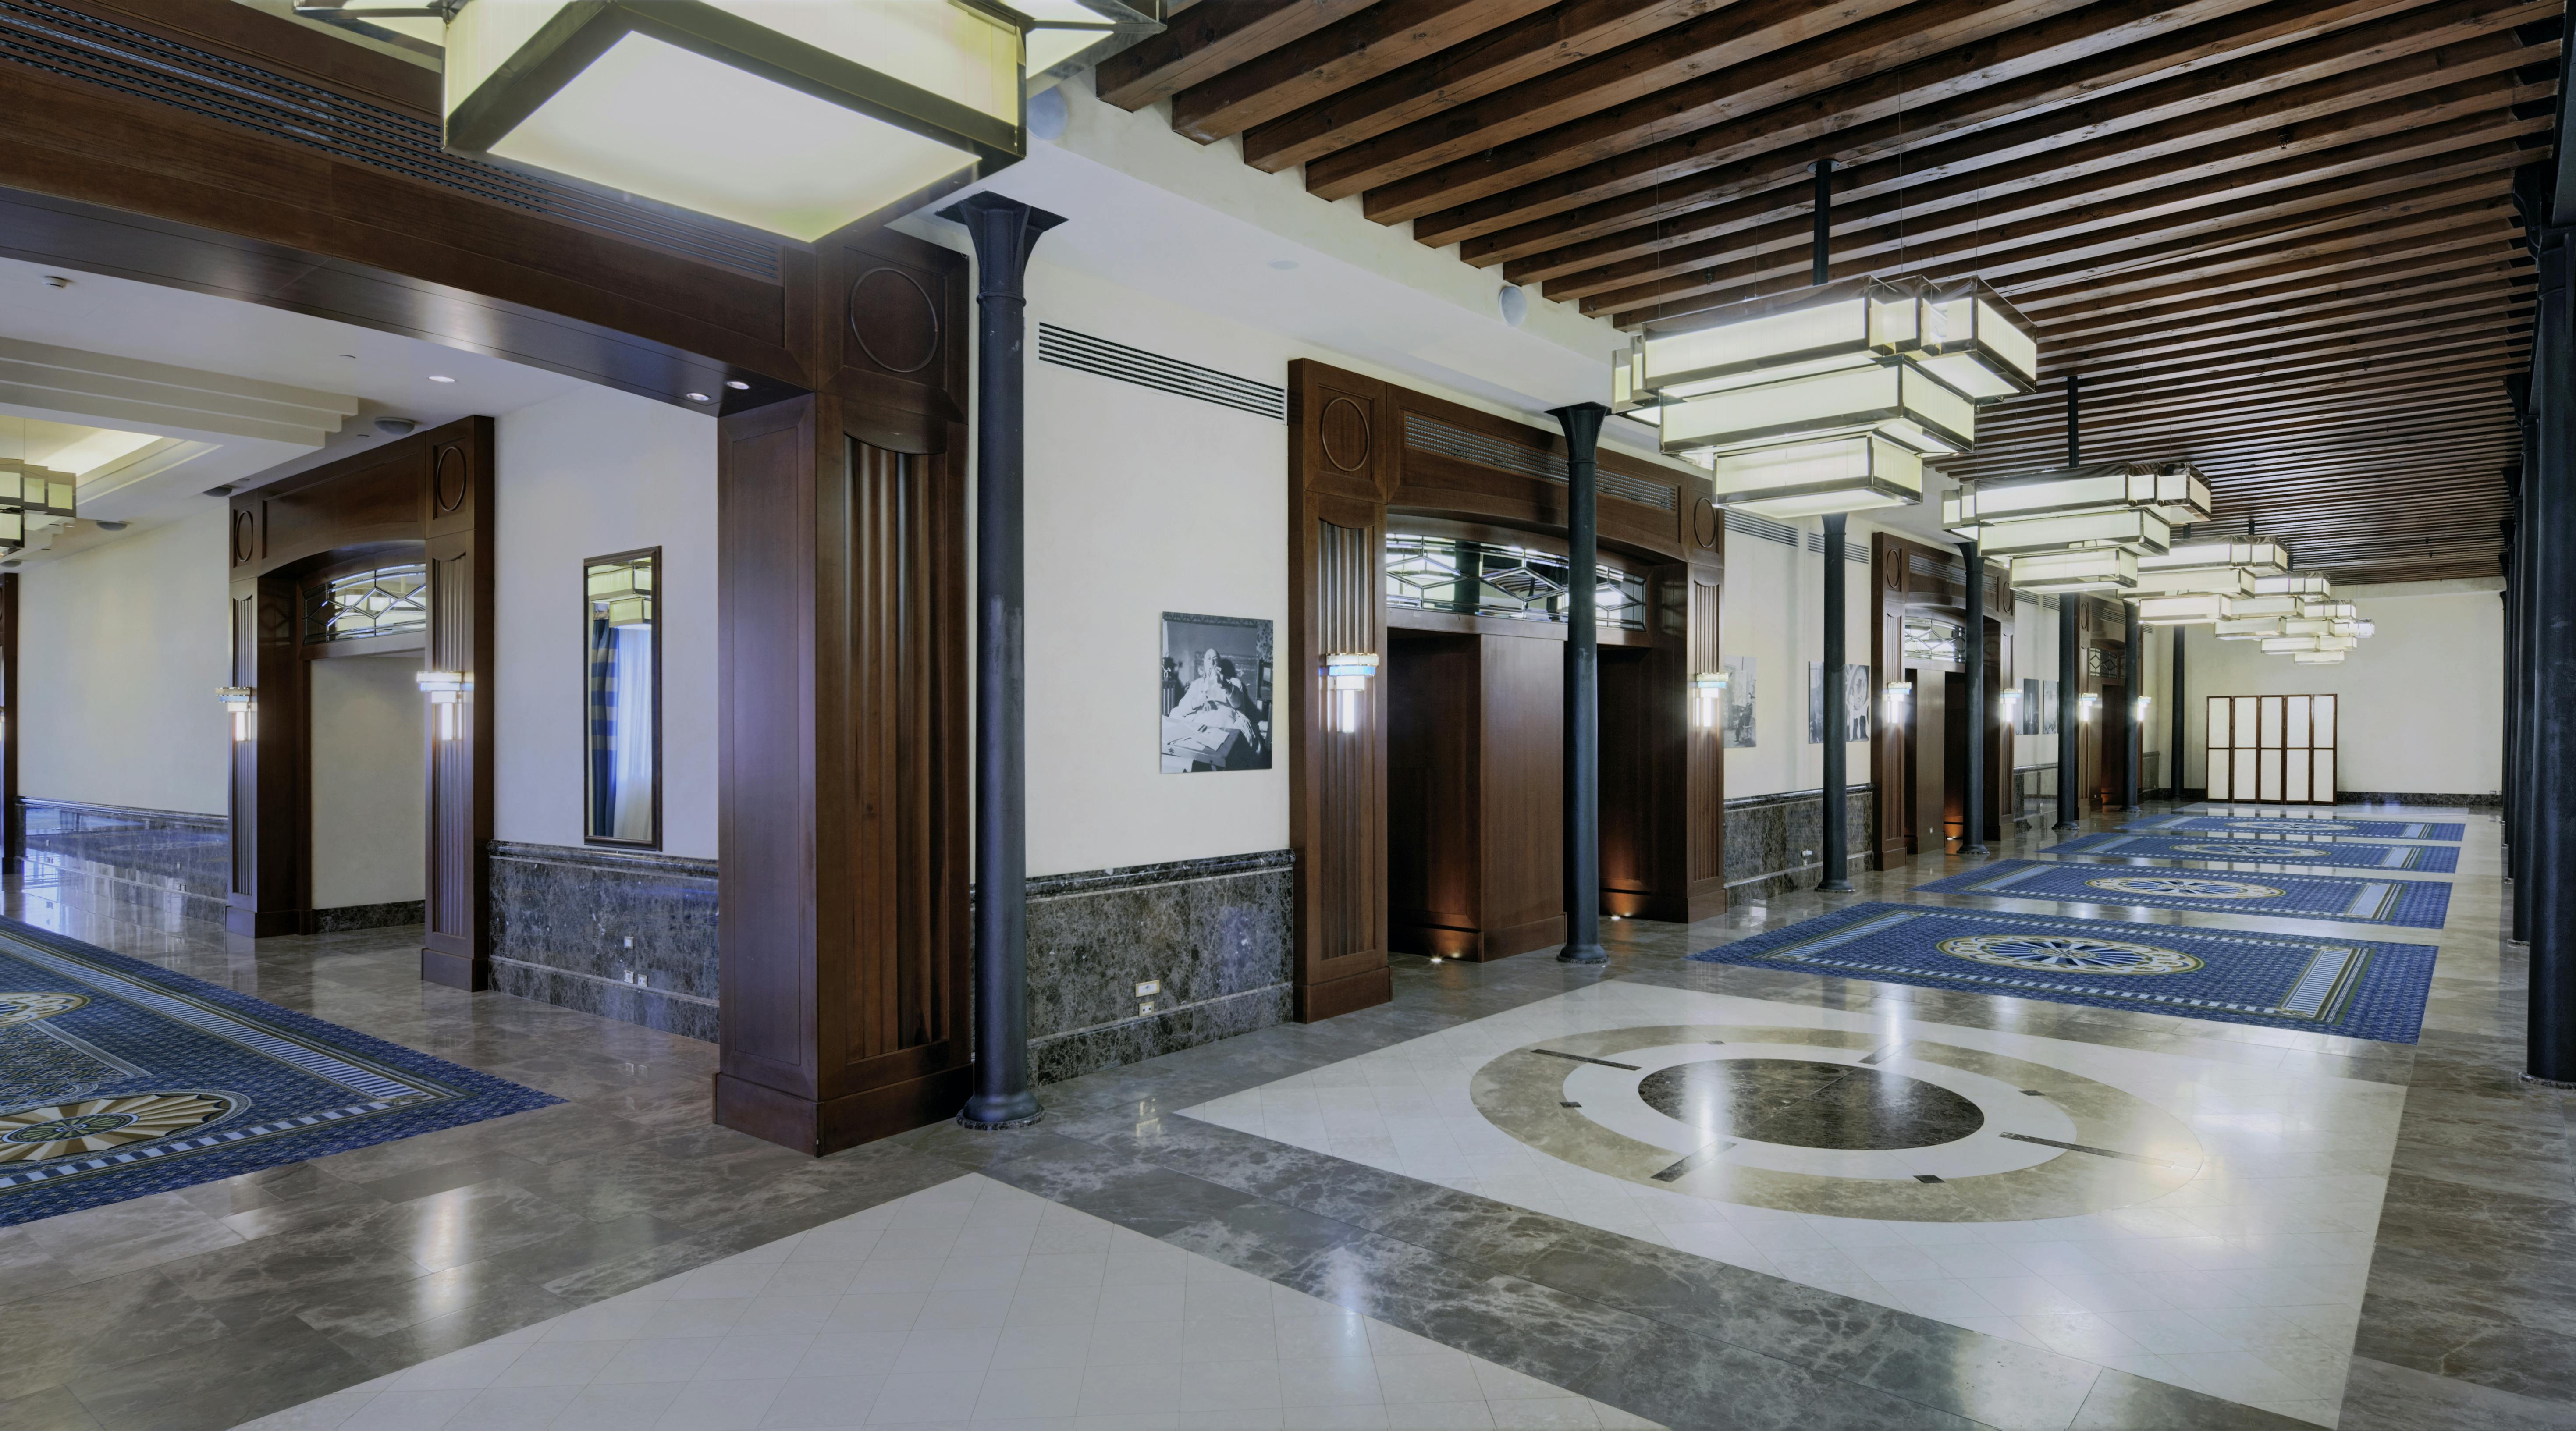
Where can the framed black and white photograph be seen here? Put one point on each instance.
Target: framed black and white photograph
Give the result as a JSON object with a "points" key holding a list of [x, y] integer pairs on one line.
{"points": [[2048, 708], [1216, 693], [1736, 712], [1855, 702], [2026, 721]]}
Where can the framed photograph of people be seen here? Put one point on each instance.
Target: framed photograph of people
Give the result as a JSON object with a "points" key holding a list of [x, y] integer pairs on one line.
{"points": [[1856, 701], [2026, 721], [1736, 712], [1216, 693]]}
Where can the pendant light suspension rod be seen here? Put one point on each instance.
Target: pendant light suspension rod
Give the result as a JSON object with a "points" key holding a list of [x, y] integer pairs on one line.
{"points": [[1823, 269], [2074, 438]]}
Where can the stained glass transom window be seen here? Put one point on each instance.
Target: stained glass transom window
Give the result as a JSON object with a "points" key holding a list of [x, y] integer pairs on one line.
{"points": [[1932, 640], [1426, 573], [389, 601]]}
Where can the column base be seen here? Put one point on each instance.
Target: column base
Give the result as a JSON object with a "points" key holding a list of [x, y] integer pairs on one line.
{"points": [[1582, 954], [1974, 850], [985, 1115], [1833, 886], [2539, 1082]]}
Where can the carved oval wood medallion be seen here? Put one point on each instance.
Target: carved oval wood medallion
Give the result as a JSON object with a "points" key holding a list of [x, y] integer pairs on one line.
{"points": [[1344, 433], [1706, 524], [893, 320], [452, 480], [245, 536]]}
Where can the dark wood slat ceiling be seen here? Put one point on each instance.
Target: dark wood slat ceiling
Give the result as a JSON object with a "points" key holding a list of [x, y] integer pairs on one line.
{"points": [[2275, 237]]}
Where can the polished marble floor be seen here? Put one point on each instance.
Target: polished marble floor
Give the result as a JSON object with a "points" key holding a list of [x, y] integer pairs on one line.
{"points": [[290, 1291]]}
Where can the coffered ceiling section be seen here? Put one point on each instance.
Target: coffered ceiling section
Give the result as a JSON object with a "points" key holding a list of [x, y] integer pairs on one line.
{"points": [[2276, 239]]}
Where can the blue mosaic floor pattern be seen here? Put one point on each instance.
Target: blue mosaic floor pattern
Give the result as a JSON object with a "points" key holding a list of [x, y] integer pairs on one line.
{"points": [[2323, 852], [120, 1079], [2303, 825], [2420, 903], [2348, 987]]}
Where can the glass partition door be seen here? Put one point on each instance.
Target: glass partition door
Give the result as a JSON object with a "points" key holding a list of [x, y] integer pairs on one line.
{"points": [[622, 635]]}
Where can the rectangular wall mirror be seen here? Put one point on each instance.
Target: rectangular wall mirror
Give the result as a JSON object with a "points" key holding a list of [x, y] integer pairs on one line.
{"points": [[622, 645]]}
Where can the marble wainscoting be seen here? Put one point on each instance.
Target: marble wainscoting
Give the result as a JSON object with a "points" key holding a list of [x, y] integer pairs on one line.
{"points": [[2488, 801], [625, 934], [368, 916], [147, 865], [1214, 931], [1769, 839]]}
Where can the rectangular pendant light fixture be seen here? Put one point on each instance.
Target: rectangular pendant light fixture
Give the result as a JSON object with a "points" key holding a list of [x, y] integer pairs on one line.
{"points": [[796, 118], [2242, 627], [1901, 404], [1976, 342], [2227, 581], [1806, 479], [2318, 658], [2258, 558], [2097, 569], [1854, 323], [2190, 610], [2142, 532], [2173, 490], [2295, 583], [2288, 645]]}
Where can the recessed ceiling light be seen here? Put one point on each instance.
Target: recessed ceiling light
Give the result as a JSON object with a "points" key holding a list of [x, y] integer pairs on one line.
{"points": [[738, 385], [440, 378], [1283, 264], [697, 397]]}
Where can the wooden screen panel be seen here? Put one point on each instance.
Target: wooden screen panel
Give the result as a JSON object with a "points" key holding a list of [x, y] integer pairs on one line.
{"points": [[2215, 746], [2271, 749]]}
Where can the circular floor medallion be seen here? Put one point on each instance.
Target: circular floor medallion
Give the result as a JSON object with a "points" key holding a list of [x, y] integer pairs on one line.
{"points": [[96, 1125], [1810, 1104], [27, 1008], [2289, 827], [2181, 887], [2068, 954], [2253, 849]]}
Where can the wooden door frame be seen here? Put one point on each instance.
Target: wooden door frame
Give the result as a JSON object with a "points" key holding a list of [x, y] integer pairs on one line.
{"points": [[1899, 587], [432, 489], [1362, 451]]}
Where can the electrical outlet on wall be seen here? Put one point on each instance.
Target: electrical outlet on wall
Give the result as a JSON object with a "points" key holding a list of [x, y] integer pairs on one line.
{"points": [[1144, 1006]]}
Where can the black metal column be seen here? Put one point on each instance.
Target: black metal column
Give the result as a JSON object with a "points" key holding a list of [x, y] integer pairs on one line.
{"points": [[1837, 812], [2133, 768], [2181, 723], [2070, 661], [1972, 654], [2519, 795], [1582, 424], [1004, 231], [2550, 829]]}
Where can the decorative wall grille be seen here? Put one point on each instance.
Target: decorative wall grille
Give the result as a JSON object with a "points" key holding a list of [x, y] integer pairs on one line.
{"points": [[1427, 434], [1103, 358]]}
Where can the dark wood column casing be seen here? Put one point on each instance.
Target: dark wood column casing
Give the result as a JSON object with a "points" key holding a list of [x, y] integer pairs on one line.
{"points": [[1911, 577], [458, 526], [843, 796], [1340, 458]]}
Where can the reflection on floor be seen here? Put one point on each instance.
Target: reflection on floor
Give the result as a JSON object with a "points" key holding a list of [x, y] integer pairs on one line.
{"points": [[237, 1300], [969, 1302]]}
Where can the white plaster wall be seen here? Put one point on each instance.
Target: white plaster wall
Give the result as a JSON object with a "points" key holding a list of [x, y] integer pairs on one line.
{"points": [[1772, 609], [120, 651], [2421, 704], [586, 474], [370, 793], [2034, 658]]}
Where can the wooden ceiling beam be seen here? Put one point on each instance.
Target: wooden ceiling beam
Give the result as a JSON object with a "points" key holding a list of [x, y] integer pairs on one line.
{"points": [[1999, 77], [2398, 282], [2452, 118], [1567, 34], [2329, 334], [2323, 391], [2288, 319], [2337, 70], [1357, 48], [1747, 31], [2107, 209], [1205, 41], [2420, 253]]}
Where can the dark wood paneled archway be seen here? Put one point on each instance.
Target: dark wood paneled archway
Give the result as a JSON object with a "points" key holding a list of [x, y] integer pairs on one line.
{"points": [[1909, 577], [1366, 456], [431, 491]]}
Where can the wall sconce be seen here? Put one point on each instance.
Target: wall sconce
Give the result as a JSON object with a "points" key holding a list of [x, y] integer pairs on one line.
{"points": [[2084, 705], [1346, 674], [1895, 696], [1708, 691], [2009, 704], [446, 690], [243, 702], [2138, 712]]}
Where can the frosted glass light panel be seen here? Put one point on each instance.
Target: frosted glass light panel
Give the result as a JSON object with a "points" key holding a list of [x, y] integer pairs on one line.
{"points": [[2174, 491], [786, 115], [1977, 343], [1855, 323], [2098, 569], [2258, 558], [1809, 479], [1900, 404], [2140, 532], [622, 650]]}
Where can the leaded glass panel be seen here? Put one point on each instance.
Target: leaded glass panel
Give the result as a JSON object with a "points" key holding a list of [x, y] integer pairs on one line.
{"points": [[1428, 573], [388, 601], [1932, 640]]}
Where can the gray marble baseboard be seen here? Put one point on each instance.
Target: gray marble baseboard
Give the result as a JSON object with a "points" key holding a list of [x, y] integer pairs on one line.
{"points": [[177, 851], [1769, 839], [2409, 797], [622, 933], [1214, 932], [342, 918]]}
